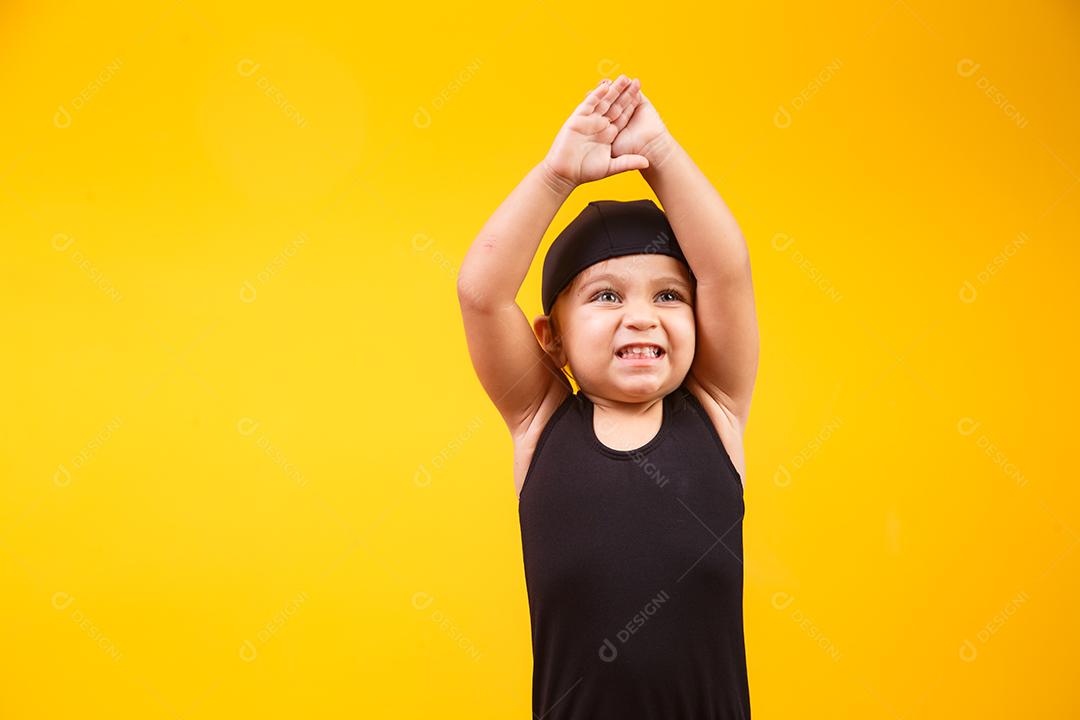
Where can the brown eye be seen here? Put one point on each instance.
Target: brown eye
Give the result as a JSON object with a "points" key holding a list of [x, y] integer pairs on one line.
{"points": [[671, 291]]}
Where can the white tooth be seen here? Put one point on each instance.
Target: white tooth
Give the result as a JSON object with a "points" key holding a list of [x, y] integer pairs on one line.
{"points": [[641, 352]]}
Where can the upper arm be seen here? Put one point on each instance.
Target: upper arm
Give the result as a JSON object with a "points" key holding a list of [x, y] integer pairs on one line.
{"points": [[512, 366], [726, 359]]}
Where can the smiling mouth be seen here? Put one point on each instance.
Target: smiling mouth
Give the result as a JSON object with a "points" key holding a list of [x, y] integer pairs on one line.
{"points": [[640, 352]]}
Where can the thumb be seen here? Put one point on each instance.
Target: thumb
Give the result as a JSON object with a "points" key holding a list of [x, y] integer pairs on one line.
{"points": [[627, 162]]}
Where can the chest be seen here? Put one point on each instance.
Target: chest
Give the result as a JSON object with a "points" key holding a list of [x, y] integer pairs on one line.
{"points": [[590, 516], [633, 435]]}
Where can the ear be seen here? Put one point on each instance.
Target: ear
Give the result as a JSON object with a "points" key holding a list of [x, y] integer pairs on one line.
{"points": [[549, 341]]}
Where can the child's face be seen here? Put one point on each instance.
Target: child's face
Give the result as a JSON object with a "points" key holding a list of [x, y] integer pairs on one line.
{"points": [[645, 298]]}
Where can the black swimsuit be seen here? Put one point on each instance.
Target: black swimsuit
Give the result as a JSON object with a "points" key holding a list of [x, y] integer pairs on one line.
{"points": [[633, 567]]}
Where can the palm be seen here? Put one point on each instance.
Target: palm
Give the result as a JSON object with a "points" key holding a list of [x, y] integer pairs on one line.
{"points": [[644, 126], [585, 144], [582, 151]]}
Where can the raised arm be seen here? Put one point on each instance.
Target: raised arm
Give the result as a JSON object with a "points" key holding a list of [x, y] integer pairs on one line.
{"points": [[726, 360], [515, 371]]}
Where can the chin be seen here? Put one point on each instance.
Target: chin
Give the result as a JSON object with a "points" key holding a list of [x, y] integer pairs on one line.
{"points": [[641, 387]]}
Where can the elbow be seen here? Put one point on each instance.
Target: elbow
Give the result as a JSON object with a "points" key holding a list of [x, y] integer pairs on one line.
{"points": [[481, 280], [472, 292]]}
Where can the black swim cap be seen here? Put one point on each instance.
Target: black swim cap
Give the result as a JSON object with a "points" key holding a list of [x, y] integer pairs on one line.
{"points": [[606, 229]]}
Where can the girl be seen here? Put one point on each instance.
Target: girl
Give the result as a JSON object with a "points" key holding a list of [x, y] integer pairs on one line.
{"points": [[630, 491]]}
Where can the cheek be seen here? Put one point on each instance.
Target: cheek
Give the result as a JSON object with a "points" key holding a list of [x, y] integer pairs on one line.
{"points": [[590, 343], [684, 332], [594, 332]]}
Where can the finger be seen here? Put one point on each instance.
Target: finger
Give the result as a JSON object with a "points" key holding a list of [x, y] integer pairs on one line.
{"points": [[613, 92], [627, 162], [592, 99], [595, 124], [628, 107], [626, 97], [598, 86], [617, 107], [623, 119], [614, 95], [625, 111], [588, 124]]}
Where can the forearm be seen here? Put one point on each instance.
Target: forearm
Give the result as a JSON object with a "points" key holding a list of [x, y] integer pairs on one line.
{"points": [[706, 230], [499, 259]]}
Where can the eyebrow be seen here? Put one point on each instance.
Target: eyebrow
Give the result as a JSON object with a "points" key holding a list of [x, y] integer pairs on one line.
{"points": [[665, 279]]}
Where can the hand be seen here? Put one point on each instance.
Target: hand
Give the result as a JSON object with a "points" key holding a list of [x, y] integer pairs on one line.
{"points": [[645, 132], [582, 151]]}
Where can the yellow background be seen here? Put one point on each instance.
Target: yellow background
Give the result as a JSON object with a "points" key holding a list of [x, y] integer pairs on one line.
{"points": [[248, 471]]}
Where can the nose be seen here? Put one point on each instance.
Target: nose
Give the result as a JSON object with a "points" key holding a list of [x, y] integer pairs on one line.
{"points": [[639, 314]]}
